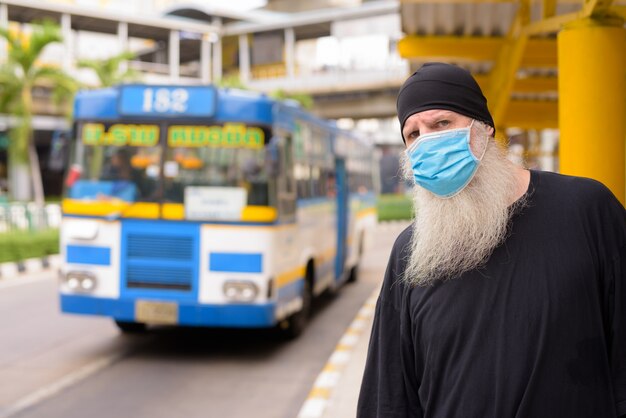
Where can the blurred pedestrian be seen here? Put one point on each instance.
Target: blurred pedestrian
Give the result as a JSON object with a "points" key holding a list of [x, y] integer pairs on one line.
{"points": [[507, 295]]}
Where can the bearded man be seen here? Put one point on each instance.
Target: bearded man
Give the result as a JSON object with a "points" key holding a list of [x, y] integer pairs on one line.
{"points": [[507, 295]]}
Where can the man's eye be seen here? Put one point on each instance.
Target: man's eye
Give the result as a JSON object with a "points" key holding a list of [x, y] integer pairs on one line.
{"points": [[413, 135], [444, 123]]}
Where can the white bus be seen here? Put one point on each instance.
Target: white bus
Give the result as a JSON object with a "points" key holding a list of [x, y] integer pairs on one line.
{"points": [[199, 206]]}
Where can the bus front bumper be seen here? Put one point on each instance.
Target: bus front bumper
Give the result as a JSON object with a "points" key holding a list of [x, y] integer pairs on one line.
{"points": [[227, 315]]}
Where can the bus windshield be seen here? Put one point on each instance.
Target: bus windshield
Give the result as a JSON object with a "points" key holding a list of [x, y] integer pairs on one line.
{"points": [[186, 167], [140, 163]]}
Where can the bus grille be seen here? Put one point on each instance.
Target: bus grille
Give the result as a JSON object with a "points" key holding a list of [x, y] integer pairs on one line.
{"points": [[149, 246], [159, 262], [159, 277]]}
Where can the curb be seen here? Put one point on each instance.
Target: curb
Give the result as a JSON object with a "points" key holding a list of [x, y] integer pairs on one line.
{"points": [[327, 380], [30, 265]]}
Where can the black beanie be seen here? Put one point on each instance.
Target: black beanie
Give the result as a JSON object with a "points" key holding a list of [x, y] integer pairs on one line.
{"points": [[436, 85]]}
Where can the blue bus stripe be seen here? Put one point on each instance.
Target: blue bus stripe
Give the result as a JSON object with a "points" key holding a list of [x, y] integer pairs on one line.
{"points": [[236, 262], [82, 254]]}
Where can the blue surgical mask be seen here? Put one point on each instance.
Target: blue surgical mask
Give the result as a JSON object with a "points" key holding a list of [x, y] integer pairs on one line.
{"points": [[443, 162]]}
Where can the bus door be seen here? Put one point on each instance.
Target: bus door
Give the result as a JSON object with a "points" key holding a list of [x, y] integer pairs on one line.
{"points": [[341, 187]]}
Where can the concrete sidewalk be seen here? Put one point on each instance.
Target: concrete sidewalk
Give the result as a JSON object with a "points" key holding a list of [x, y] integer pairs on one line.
{"points": [[342, 402], [336, 389], [343, 397], [335, 392]]}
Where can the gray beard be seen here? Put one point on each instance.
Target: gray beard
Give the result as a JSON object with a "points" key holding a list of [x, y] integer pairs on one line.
{"points": [[455, 235]]}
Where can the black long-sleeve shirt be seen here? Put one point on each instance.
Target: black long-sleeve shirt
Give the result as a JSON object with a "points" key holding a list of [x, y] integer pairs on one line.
{"points": [[539, 331]]}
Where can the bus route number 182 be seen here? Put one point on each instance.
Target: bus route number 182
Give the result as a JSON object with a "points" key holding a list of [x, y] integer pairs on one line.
{"points": [[162, 100]]}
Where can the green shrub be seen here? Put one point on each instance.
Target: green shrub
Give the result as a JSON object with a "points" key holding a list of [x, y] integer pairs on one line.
{"points": [[392, 207], [17, 246]]}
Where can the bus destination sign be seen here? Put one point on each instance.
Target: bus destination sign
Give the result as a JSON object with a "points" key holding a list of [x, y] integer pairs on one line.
{"points": [[120, 135], [231, 135], [189, 101]]}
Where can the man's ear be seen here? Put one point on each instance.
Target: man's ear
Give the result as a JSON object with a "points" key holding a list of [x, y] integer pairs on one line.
{"points": [[488, 128]]}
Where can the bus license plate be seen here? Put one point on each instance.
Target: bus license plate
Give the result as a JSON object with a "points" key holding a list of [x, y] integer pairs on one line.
{"points": [[162, 313]]}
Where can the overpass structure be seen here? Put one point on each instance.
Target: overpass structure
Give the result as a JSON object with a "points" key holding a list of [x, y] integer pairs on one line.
{"points": [[541, 63]]}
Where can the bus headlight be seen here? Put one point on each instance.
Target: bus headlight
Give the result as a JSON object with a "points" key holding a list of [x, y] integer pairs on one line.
{"points": [[80, 281], [240, 291]]}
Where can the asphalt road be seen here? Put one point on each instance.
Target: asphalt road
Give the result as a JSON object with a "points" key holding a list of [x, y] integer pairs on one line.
{"points": [[55, 365]]}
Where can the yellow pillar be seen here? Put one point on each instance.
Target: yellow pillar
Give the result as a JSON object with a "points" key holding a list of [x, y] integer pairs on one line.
{"points": [[592, 101]]}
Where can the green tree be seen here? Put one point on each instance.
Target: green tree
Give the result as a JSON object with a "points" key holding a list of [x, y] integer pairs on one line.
{"points": [[110, 70], [18, 76]]}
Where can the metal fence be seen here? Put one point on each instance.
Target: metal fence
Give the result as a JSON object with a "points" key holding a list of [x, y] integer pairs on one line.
{"points": [[29, 217]]}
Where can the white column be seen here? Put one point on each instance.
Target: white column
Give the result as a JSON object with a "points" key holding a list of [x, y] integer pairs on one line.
{"points": [[290, 46], [174, 55], [217, 52], [122, 40], [217, 60], [66, 31], [4, 24], [244, 58], [205, 58]]}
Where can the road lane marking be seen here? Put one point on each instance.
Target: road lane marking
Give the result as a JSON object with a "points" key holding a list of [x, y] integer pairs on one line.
{"points": [[65, 382], [326, 381]]}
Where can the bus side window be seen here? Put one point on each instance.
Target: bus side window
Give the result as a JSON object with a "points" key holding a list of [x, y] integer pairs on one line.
{"points": [[323, 183], [272, 159], [285, 179], [315, 180], [303, 179], [288, 166]]}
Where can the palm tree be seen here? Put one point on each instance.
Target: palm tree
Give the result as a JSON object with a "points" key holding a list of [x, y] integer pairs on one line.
{"points": [[110, 71], [18, 76]]}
